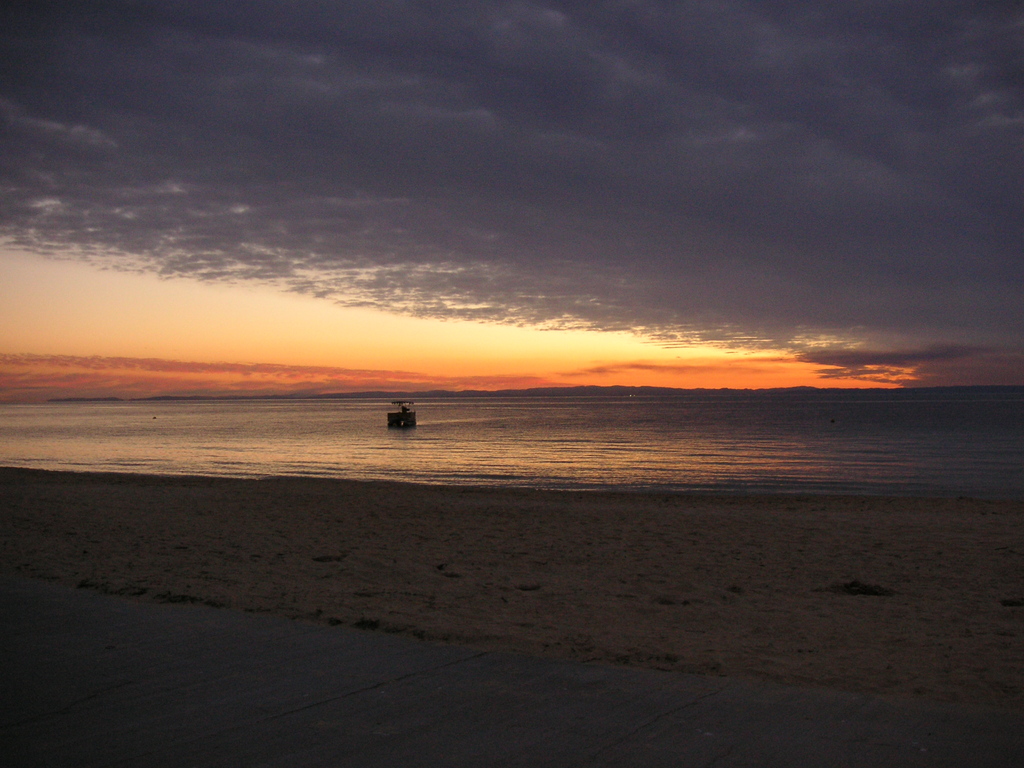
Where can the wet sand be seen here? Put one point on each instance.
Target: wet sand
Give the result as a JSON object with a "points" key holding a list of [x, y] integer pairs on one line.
{"points": [[893, 596]]}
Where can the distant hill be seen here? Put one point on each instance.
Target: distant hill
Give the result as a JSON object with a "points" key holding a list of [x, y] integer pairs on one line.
{"points": [[85, 400], [621, 391], [585, 392]]}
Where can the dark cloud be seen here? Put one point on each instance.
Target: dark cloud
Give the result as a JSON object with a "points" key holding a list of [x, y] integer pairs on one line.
{"points": [[768, 172], [936, 366]]}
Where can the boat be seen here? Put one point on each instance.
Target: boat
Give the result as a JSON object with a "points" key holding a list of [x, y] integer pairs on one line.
{"points": [[404, 416]]}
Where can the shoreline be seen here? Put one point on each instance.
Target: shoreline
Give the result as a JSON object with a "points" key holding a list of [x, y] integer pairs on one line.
{"points": [[625, 490], [898, 596]]}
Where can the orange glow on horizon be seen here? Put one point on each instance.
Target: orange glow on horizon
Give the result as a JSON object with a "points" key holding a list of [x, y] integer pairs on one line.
{"points": [[68, 329], [35, 378]]}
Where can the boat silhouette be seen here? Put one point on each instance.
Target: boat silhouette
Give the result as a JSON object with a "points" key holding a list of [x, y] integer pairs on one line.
{"points": [[404, 416]]}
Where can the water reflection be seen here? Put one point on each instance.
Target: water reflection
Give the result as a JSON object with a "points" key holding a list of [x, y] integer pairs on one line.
{"points": [[838, 444]]}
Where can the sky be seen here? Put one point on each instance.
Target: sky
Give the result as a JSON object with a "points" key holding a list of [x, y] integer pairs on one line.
{"points": [[303, 196]]}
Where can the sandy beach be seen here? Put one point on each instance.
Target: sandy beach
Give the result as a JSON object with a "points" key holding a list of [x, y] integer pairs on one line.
{"points": [[893, 596]]}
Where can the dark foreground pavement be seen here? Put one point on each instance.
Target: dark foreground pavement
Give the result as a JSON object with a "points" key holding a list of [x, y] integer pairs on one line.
{"points": [[91, 680]]}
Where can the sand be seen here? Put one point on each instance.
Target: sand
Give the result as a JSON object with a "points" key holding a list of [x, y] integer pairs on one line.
{"points": [[892, 596]]}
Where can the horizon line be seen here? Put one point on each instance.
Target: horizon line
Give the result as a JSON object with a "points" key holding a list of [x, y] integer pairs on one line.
{"points": [[569, 390]]}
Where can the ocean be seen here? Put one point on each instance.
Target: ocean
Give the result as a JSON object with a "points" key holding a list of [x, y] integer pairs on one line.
{"points": [[926, 442]]}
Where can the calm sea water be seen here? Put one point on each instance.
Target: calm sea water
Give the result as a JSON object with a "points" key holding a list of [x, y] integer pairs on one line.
{"points": [[923, 442]]}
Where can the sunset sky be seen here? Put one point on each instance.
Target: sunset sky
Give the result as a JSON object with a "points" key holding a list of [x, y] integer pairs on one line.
{"points": [[299, 196]]}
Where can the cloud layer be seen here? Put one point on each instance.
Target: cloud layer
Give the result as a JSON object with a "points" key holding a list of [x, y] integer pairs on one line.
{"points": [[779, 173], [35, 378]]}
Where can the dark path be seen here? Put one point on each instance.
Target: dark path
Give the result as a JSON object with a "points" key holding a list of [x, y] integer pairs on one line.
{"points": [[90, 680]]}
